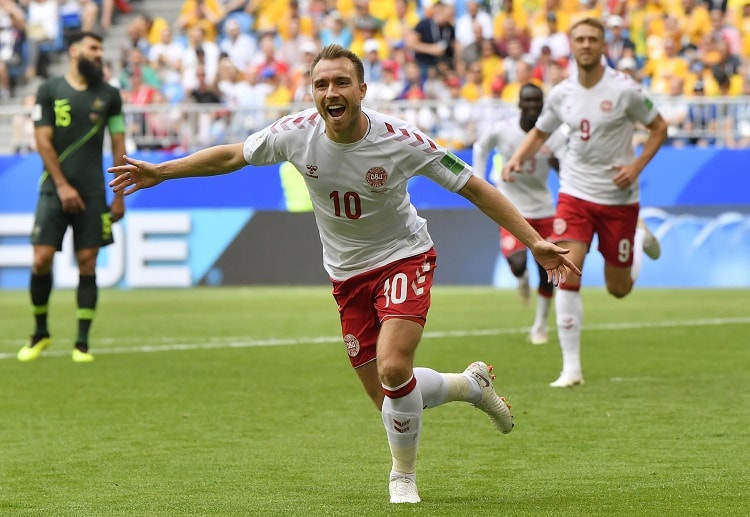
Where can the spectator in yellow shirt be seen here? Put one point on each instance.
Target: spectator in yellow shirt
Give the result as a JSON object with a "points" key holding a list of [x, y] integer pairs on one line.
{"points": [[662, 70], [509, 16], [512, 90], [474, 88], [645, 19], [743, 24], [586, 9], [695, 20], [403, 19], [492, 63], [305, 22], [200, 13]]}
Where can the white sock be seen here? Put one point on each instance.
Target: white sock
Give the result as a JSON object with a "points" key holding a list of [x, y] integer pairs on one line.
{"points": [[635, 269], [542, 312], [402, 418], [569, 308], [438, 388]]}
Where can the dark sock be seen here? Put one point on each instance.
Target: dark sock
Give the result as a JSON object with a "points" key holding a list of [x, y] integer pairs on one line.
{"points": [[40, 288], [86, 297]]}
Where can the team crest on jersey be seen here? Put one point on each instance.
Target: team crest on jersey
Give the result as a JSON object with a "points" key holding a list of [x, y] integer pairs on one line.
{"points": [[352, 345], [376, 177], [606, 106], [97, 106], [312, 171], [559, 226]]}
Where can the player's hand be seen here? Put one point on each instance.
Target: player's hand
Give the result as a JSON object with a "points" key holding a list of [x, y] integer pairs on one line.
{"points": [[117, 208], [134, 176], [626, 176], [511, 167], [70, 199], [552, 258]]}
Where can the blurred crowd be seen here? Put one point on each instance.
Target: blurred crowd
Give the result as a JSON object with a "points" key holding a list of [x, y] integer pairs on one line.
{"points": [[33, 32], [465, 59]]}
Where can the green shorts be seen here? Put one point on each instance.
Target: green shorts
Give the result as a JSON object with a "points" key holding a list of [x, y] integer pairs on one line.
{"points": [[92, 228]]}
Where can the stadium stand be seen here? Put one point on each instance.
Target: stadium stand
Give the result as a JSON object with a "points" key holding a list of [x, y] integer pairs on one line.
{"points": [[253, 56]]}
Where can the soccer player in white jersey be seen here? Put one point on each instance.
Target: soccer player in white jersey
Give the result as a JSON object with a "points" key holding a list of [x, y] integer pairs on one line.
{"points": [[528, 190], [599, 191], [376, 249]]}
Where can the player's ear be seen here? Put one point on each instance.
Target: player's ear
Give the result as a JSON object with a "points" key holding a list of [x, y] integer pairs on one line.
{"points": [[362, 90]]}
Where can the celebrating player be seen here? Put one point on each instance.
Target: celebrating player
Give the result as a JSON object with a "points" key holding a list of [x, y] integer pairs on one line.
{"points": [[376, 249], [599, 191], [528, 191]]}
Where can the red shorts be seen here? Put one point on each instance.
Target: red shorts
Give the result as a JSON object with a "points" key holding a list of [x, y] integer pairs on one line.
{"points": [[398, 290], [509, 245], [578, 220]]}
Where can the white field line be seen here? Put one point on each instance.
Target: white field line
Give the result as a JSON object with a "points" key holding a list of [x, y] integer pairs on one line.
{"points": [[168, 345]]}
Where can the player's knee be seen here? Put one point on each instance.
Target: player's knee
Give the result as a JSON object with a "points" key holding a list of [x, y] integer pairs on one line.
{"points": [[42, 263], [86, 262], [41, 267], [619, 290], [393, 373], [517, 264]]}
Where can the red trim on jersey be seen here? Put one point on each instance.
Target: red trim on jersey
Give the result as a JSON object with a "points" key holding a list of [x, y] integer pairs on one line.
{"points": [[299, 123], [420, 138], [389, 129], [403, 391], [421, 320]]}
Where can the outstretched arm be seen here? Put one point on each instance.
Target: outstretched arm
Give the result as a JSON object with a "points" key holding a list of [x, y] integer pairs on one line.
{"points": [[138, 174], [497, 207], [528, 148]]}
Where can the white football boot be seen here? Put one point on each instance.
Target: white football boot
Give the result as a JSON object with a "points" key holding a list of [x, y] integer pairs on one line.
{"points": [[538, 336], [651, 246], [403, 489], [567, 380], [490, 402]]}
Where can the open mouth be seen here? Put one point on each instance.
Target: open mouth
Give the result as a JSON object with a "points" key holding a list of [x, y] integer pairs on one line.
{"points": [[335, 110]]}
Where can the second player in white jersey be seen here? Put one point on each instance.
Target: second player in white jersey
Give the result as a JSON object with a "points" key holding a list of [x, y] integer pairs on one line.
{"points": [[350, 183], [599, 194], [529, 190], [597, 137]]}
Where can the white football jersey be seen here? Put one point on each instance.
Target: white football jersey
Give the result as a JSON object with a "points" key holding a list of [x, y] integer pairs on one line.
{"points": [[359, 191], [601, 121], [529, 190]]}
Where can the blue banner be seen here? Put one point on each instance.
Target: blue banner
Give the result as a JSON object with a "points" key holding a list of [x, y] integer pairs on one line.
{"points": [[697, 202]]}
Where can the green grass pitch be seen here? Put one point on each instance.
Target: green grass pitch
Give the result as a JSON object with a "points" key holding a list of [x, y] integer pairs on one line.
{"points": [[241, 402]]}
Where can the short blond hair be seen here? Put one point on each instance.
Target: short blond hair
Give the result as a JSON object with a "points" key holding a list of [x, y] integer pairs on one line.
{"points": [[591, 22]]}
